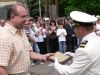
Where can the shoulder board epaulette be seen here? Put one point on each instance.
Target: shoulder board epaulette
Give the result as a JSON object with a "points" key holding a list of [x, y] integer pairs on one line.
{"points": [[83, 44]]}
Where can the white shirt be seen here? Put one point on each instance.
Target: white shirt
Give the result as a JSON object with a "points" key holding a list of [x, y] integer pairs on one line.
{"points": [[39, 38], [86, 60], [61, 33], [32, 34], [98, 27], [1, 27]]}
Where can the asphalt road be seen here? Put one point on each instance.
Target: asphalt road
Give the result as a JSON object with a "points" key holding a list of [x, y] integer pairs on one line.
{"points": [[43, 69]]}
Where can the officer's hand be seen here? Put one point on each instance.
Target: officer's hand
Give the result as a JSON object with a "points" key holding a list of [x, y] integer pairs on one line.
{"points": [[59, 68]]}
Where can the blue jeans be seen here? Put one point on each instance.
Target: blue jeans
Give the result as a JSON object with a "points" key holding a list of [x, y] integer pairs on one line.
{"points": [[62, 46], [36, 48]]}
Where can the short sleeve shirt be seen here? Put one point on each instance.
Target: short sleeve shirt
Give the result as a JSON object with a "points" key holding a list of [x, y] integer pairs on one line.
{"points": [[14, 50]]}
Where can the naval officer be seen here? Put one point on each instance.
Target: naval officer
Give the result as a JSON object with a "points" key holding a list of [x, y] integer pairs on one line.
{"points": [[86, 60]]}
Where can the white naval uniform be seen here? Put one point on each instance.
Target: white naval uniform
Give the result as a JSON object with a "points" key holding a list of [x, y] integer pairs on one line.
{"points": [[86, 60]]}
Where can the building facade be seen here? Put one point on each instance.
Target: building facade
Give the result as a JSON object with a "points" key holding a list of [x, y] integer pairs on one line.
{"points": [[7, 2]]}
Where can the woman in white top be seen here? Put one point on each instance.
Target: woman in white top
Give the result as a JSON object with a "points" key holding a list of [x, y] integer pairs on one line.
{"points": [[39, 36]]}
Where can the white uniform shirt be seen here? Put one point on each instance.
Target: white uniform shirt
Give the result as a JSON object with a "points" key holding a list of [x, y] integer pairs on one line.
{"points": [[86, 60]]}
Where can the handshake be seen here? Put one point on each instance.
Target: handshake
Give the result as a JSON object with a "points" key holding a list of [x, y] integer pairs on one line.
{"points": [[62, 58], [59, 59]]}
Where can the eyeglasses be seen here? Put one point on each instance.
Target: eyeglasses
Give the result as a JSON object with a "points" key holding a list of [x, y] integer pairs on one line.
{"points": [[23, 16]]}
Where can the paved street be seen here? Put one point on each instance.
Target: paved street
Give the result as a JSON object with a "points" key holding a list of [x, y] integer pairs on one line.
{"points": [[43, 69]]}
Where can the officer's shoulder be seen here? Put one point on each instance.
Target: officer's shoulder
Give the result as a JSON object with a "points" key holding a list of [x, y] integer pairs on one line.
{"points": [[83, 44]]}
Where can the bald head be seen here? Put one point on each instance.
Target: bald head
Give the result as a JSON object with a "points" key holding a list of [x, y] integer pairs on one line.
{"points": [[20, 9]]}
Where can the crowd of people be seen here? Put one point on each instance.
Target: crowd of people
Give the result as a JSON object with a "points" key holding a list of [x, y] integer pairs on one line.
{"points": [[23, 38], [51, 35], [47, 35]]}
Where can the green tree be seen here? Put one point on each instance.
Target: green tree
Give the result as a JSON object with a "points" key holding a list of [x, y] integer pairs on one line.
{"points": [[89, 6], [66, 6], [33, 6]]}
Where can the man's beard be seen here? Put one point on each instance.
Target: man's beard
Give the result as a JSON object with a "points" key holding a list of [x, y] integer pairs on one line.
{"points": [[19, 26]]}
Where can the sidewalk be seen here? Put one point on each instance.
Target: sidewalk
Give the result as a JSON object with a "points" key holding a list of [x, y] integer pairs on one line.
{"points": [[42, 69]]}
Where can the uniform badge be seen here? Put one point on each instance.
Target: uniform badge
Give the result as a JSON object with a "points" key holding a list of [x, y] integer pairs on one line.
{"points": [[83, 44]]}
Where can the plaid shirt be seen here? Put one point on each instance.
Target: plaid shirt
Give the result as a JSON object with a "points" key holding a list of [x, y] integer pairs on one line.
{"points": [[14, 50]]}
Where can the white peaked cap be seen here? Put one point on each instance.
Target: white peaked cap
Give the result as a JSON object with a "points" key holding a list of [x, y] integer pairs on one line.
{"points": [[82, 17]]}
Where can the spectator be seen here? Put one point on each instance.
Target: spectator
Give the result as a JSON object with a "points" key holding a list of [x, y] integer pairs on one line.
{"points": [[61, 33], [97, 30], [2, 23], [71, 39], [53, 39]]}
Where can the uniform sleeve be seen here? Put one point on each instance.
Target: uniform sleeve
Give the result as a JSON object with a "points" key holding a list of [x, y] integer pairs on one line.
{"points": [[5, 52], [80, 63]]}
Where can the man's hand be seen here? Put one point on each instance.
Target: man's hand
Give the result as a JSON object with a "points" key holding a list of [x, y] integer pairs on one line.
{"points": [[35, 56], [46, 56]]}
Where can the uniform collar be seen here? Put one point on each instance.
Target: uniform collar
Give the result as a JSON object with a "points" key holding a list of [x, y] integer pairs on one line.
{"points": [[89, 36]]}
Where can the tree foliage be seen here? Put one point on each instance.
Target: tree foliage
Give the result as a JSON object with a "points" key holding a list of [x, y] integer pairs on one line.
{"points": [[33, 6], [89, 6], [66, 6]]}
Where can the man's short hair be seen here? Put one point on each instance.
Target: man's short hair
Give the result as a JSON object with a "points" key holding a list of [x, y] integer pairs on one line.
{"points": [[11, 10]]}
